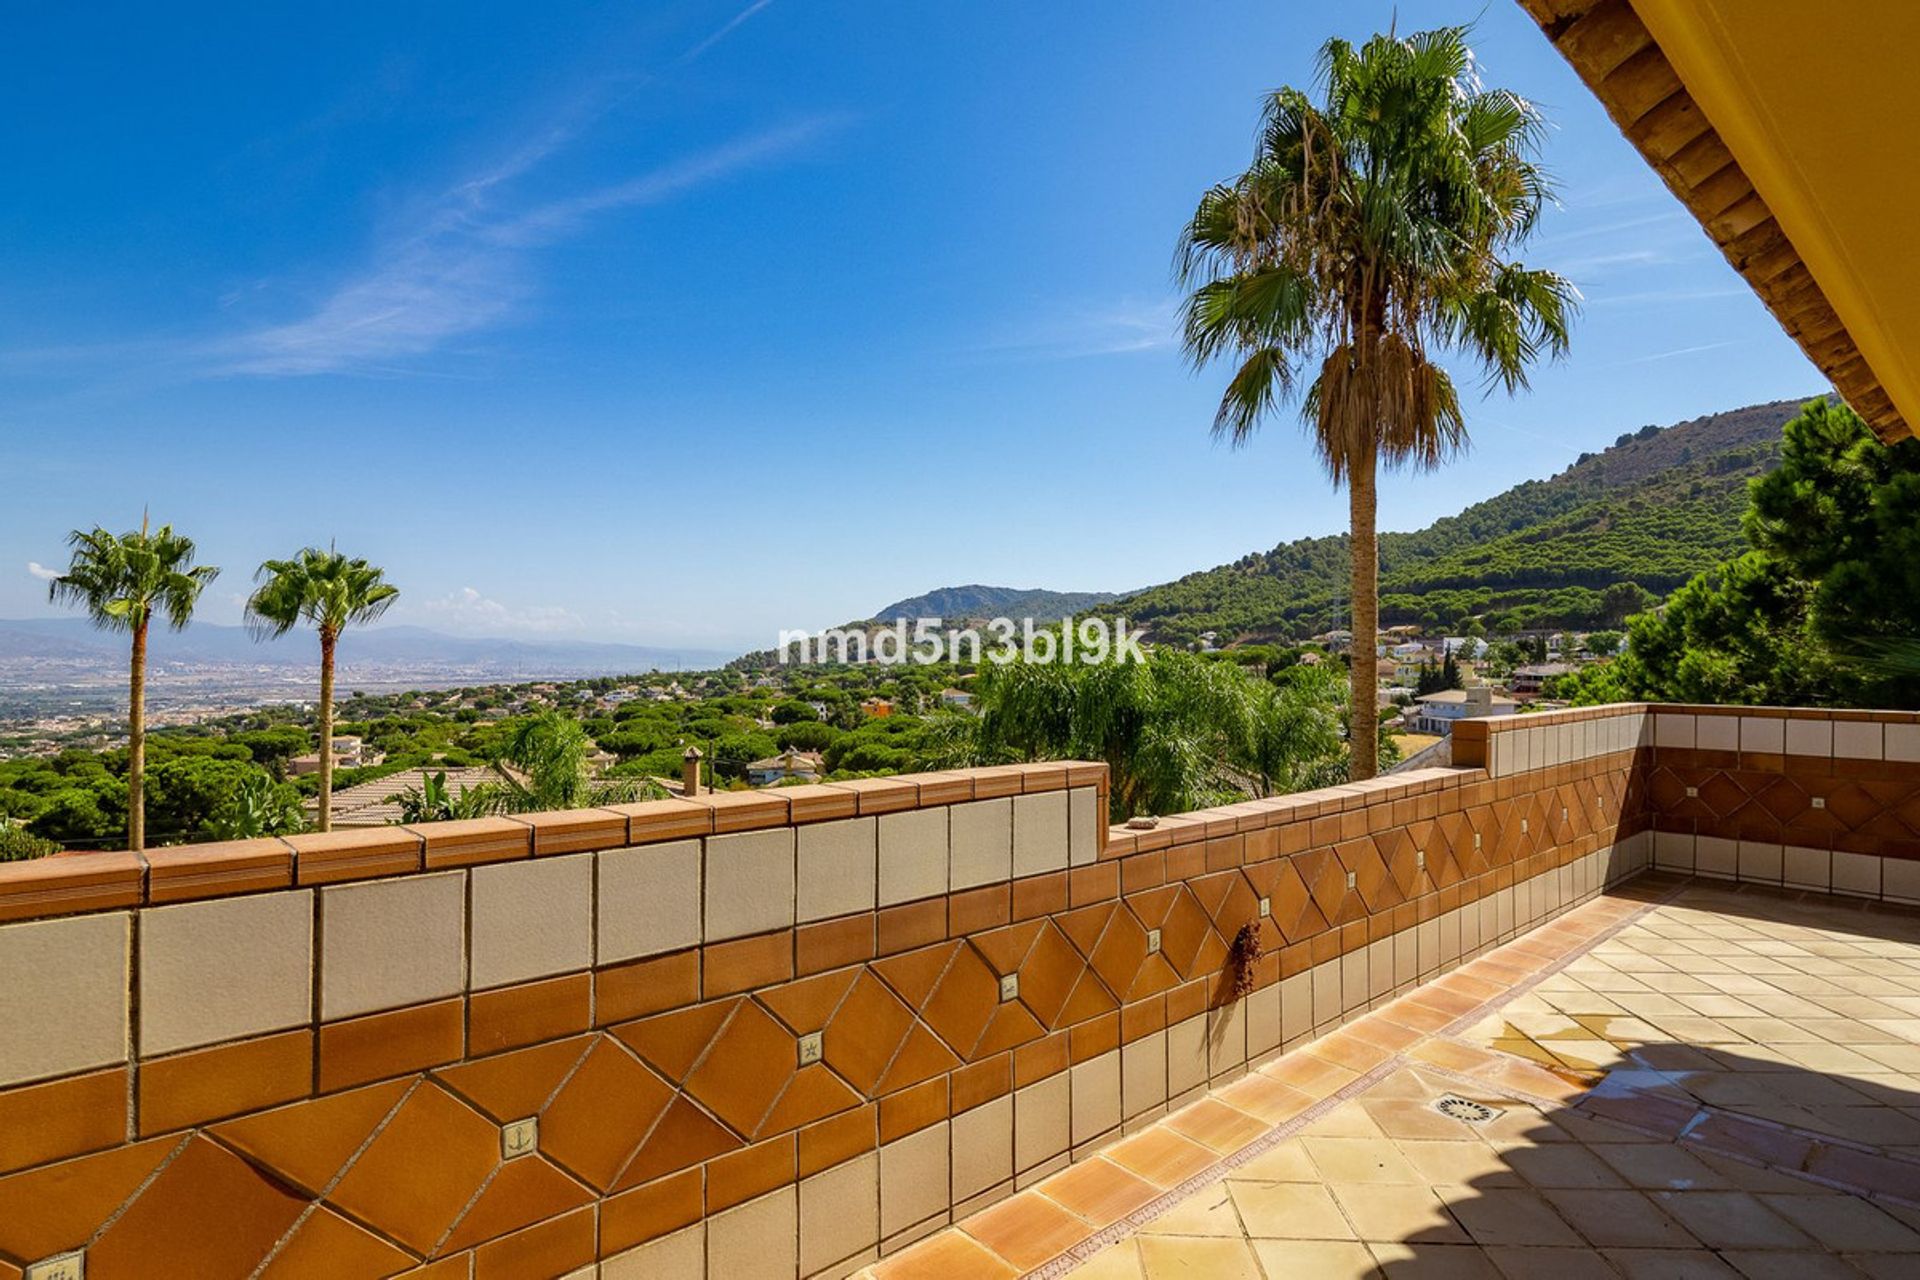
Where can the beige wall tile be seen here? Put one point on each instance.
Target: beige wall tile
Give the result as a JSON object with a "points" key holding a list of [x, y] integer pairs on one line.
{"points": [[1095, 1086], [679, 1256], [1807, 868], [63, 996], [749, 883], [913, 855], [758, 1240], [1900, 879], [982, 836], [649, 900], [1039, 833], [1186, 1055], [1673, 851], [1808, 737], [1857, 874], [1715, 856], [1326, 989], [1226, 1037], [1759, 860], [1717, 733], [839, 1213], [1763, 733], [1143, 1074], [836, 868], [1902, 742], [1041, 1122], [531, 919], [1263, 1021], [1296, 1006], [389, 943], [1857, 740], [913, 1179], [982, 1147], [220, 970], [1084, 820], [1356, 976]]}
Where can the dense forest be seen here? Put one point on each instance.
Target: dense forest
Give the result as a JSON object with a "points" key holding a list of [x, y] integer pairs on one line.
{"points": [[1659, 506]]}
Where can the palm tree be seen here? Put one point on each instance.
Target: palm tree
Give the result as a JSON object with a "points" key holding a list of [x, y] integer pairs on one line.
{"points": [[332, 592], [1371, 231], [122, 581]]}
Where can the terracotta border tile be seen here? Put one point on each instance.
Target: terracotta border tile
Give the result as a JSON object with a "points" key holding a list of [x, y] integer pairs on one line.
{"points": [[355, 853], [575, 830], [473, 840], [652, 821], [62, 1118], [181, 873], [70, 883], [625, 991], [646, 1213]]}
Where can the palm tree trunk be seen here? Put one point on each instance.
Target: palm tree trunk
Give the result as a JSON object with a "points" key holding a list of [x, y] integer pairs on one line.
{"points": [[1364, 714], [137, 741], [327, 640]]}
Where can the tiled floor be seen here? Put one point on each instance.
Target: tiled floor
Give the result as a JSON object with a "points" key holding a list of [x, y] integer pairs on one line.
{"points": [[1686, 1081]]}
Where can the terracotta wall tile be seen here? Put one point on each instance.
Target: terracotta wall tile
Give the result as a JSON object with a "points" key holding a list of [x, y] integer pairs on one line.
{"points": [[745, 963], [838, 1139], [753, 1171], [510, 1017], [308, 1143], [414, 1199], [913, 1109], [648, 1212], [913, 924], [209, 1213], [553, 1248], [326, 1246], [383, 1045], [57, 1209], [646, 986], [233, 1079]]}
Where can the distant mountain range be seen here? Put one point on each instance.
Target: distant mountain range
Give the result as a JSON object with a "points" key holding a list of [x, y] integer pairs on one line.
{"points": [[36, 643], [975, 602], [1659, 506]]}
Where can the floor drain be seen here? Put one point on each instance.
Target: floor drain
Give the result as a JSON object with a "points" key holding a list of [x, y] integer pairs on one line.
{"points": [[1455, 1107]]}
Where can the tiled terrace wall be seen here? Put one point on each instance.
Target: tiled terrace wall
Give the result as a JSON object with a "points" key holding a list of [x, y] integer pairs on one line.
{"points": [[1792, 796], [314, 1056]]}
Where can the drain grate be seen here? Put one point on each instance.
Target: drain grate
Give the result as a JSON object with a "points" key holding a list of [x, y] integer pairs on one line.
{"points": [[1455, 1107]]}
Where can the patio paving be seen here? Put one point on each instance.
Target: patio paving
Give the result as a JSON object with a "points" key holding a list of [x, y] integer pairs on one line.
{"points": [[1677, 1080]]}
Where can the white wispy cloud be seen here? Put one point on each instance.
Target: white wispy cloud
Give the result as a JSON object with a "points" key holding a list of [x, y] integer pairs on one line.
{"points": [[726, 29], [1118, 328], [466, 266], [470, 610], [40, 571]]}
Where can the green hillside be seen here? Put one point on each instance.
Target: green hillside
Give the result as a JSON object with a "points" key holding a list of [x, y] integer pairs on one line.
{"points": [[1656, 508]]}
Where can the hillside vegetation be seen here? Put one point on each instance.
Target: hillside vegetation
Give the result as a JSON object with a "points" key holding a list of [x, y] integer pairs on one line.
{"points": [[1656, 508], [976, 602]]}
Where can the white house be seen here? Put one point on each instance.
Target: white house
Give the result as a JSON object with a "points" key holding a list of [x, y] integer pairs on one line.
{"points": [[1438, 712]]}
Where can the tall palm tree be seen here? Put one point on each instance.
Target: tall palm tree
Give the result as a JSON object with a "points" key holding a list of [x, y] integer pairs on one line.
{"points": [[122, 581], [1372, 231], [332, 592]]}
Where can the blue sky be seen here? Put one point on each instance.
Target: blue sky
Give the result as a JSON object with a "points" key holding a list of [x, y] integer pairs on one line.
{"points": [[684, 322]]}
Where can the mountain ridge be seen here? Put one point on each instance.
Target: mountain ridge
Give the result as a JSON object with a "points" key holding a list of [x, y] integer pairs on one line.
{"points": [[975, 601], [1658, 506]]}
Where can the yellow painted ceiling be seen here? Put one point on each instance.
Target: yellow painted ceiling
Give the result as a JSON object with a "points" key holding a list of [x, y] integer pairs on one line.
{"points": [[1819, 101]]}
